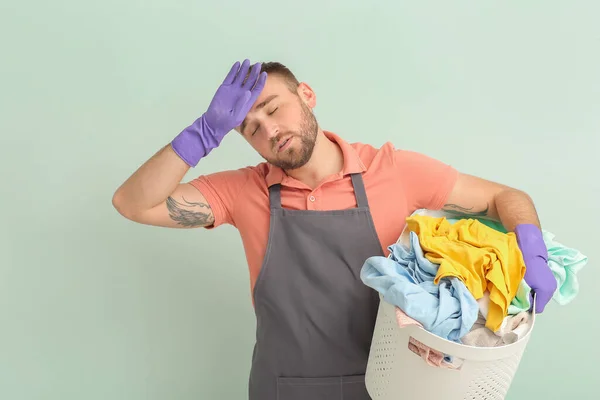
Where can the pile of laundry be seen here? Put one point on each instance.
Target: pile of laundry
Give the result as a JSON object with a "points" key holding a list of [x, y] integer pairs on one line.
{"points": [[463, 280]]}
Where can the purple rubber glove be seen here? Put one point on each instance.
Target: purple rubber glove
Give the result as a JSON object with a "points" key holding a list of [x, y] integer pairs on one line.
{"points": [[228, 108], [538, 274]]}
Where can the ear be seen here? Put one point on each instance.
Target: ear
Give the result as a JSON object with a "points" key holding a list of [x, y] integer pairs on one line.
{"points": [[307, 95]]}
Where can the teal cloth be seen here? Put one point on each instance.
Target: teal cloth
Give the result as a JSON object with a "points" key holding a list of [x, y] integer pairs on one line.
{"points": [[565, 263]]}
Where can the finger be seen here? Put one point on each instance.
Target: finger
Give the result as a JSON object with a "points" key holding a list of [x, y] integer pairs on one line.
{"points": [[242, 107], [541, 300], [242, 73], [539, 308], [231, 75], [260, 84], [252, 77]]}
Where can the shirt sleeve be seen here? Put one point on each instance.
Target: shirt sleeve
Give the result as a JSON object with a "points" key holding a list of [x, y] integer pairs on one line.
{"points": [[427, 182], [221, 189]]}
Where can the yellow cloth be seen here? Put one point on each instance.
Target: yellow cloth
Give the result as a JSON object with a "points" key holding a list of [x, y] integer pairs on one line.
{"points": [[480, 256]]}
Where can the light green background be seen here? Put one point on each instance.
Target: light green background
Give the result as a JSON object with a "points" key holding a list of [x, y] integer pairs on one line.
{"points": [[95, 307]]}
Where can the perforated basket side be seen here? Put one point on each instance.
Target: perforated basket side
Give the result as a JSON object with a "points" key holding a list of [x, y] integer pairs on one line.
{"points": [[492, 380], [381, 368], [394, 372]]}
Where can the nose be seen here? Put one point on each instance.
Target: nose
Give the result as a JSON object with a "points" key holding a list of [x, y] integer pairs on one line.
{"points": [[271, 130]]}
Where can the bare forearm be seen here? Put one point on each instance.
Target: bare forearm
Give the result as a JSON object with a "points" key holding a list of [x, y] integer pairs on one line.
{"points": [[152, 183], [515, 207]]}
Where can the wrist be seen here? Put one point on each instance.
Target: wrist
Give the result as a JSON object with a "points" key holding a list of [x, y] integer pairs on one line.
{"points": [[194, 142]]}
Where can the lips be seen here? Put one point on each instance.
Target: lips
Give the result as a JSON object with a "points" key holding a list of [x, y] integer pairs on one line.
{"points": [[283, 143]]}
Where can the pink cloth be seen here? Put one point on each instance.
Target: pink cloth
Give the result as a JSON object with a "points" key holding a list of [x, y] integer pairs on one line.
{"points": [[432, 357]]}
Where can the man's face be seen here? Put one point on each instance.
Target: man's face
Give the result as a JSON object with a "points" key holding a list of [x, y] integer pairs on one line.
{"points": [[280, 126]]}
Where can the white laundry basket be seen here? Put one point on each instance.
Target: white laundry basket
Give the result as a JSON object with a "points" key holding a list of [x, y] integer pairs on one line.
{"points": [[395, 372]]}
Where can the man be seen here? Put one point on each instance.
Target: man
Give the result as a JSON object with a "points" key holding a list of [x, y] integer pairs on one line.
{"points": [[309, 216]]}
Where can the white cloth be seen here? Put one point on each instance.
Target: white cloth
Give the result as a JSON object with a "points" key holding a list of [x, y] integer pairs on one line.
{"points": [[512, 329]]}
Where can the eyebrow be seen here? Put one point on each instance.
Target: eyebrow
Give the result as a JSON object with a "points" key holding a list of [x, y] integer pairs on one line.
{"points": [[258, 107]]}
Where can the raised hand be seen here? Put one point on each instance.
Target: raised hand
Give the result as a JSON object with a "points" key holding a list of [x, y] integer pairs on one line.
{"points": [[228, 108]]}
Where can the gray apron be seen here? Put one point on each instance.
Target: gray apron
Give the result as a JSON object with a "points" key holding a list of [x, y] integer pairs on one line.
{"points": [[315, 317]]}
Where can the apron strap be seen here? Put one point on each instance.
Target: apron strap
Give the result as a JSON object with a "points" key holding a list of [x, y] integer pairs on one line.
{"points": [[359, 190], [275, 195], [357, 183]]}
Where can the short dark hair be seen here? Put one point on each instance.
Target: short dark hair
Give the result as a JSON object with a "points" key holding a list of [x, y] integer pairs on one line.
{"points": [[277, 68]]}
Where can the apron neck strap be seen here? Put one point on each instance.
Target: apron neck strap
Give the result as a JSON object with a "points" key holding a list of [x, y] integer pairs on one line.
{"points": [[359, 190], [357, 183], [275, 195]]}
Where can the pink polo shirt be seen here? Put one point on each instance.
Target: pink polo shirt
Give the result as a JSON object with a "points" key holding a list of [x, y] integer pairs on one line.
{"points": [[397, 183]]}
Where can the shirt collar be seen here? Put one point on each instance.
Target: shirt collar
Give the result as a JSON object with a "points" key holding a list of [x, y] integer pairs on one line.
{"points": [[352, 165]]}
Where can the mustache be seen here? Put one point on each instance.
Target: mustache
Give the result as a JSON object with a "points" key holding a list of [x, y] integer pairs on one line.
{"points": [[276, 139]]}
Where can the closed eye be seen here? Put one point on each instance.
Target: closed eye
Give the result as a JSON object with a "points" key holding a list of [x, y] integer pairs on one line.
{"points": [[256, 129]]}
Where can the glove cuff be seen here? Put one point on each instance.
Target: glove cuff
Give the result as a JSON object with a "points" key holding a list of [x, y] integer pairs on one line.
{"points": [[194, 142]]}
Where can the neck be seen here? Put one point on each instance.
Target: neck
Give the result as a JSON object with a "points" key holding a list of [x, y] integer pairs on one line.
{"points": [[327, 159]]}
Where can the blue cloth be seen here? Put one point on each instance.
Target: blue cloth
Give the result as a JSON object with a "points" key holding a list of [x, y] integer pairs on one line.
{"points": [[405, 279]]}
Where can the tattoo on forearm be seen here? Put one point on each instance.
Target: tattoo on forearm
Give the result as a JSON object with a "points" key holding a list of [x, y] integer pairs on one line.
{"points": [[189, 214], [456, 209]]}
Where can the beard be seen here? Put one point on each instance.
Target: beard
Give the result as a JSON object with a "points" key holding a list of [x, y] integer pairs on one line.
{"points": [[294, 158]]}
